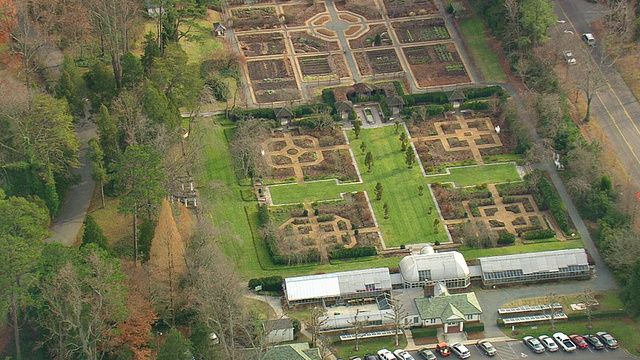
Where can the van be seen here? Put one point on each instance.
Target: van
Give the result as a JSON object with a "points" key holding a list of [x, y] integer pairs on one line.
{"points": [[589, 39]]}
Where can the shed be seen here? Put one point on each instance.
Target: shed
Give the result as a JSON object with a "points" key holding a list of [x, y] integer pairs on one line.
{"points": [[276, 331], [457, 96], [219, 29], [284, 115], [395, 103], [449, 310], [344, 108]]}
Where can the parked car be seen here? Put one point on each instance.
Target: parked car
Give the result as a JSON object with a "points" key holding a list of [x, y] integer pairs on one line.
{"points": [[594, 341], [427, 354], [403, 355], [548, 343], [461, 351], [533, 343], [487, 347], [443, 349], [565, 343], [568, 57], [370, 357], [385, 354], [579, 341], [589, 39], [608, 340]]}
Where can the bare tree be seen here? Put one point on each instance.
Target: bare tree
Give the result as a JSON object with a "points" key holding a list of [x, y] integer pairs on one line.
{"points": [[246, 147], [317, 321], [552, 299], [587, 299], [357, 324], [321, 119], [397, 315]]}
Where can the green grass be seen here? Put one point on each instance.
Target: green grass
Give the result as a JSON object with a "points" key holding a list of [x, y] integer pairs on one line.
{"points": [[627, 332], [309, 192], [486, 60], [475, 175], [345, 349], [520, 249]]}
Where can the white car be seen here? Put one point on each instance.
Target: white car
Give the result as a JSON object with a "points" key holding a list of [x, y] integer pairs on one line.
{"points": [[548, 343], [403, 355], [568, 57], [589, 39], [385, 354], [460, 350], [564, 341]]}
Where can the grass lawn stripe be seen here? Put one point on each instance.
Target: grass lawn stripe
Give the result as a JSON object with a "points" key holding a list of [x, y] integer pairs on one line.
{"points": [[475, 175], [486, 60], [310, 191]]}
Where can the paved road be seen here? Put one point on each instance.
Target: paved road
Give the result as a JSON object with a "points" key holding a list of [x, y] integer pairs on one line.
{"points": [[614, 106], [66, 226]]}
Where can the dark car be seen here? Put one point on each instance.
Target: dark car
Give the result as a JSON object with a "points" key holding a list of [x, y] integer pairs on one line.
{"points": [[534, 344], [579, 341], [594, 341], [427, 354], [608, 340], [370, 357], [443, 349]]}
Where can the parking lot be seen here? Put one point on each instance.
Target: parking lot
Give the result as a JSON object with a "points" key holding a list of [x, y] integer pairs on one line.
{"points": [[516, 350]]}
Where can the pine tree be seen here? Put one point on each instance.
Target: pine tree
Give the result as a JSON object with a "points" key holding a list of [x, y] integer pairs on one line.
{"points": [[368, 161], [403, 141], [177, 347], [385, 208], [363, 147], [378, 191], [410, 157], [93, 234], [357, 126]]}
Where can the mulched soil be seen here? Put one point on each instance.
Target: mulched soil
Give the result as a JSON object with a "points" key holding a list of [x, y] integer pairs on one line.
{"points": [[297, 15], [433, 156], [355, 209], [366, 8], [337, 164]]}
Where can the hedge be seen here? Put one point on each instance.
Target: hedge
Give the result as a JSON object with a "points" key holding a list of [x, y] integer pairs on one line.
{"points": [[538, 234], [423, 332], [548, 199], [475, 105], [264, 113], [483, 92], [328, 97], [353, 253], [399, 89], [303, 110], [479, 327], [506, 238], [426, 98], [271, 283]]}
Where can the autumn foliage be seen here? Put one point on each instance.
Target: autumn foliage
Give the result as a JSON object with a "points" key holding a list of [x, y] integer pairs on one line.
{"points": [[7, 19]]}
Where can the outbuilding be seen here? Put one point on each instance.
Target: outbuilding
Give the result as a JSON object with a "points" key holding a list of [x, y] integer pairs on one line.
{"points": [[429, 266]]}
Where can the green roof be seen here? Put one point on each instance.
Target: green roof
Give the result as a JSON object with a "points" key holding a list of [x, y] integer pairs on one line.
{"points": [[298, 351], [448, 307]]}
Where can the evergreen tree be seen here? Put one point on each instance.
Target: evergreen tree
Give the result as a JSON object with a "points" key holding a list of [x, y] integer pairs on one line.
{"points": [[99, 173], [368, 161], [93, 234], [363, 147], [109, 136], [410, 157], [631, 291], [378, 191], [403, 141], [158, 107], [385, 208], [132, 71], [176, 347], [357, 126], [151, 51]]}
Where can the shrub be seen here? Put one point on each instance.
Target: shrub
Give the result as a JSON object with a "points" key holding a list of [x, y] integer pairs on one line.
{"points": [[548, 199], [328, 97], [538, 234], [479, 327], [353, 253], [426, 98], [506, 238], [271, 283], [423, 332], [325, 217], [475, 105], [263, 215], [483, 92]]}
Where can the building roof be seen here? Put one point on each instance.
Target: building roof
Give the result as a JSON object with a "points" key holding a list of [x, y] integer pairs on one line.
{"points": [[335, 284], [218, 26], [283, 111], [297, 351], [278, 324], [443, 266], [448, 307], [457, 95], [362, 88], [529, 263], [395, 100], [344, 106]]}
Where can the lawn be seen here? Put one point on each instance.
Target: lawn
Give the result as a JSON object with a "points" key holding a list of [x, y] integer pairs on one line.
{"points": [[608, 301], [486, 60], [475, 175], [521, 249], [345, 350], [627, 332], [309, 192]]}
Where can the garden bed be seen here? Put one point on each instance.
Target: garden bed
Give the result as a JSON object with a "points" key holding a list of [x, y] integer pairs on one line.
{"points": [[378, 35], [273, 80], [304, 42], [323, 66], [404, 8], [439, 65], [378, 62], [337, 164], [435, 158], [367, 8], [262, 44], [254, 18], [421, 30], [299, 14]]}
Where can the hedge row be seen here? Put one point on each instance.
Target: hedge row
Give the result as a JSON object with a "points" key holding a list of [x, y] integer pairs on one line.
{"points": [[506, 238], [479, 327], [271, 283], [441, 97], [353, 253], [422, 332], [538, 234], [548, 199]]}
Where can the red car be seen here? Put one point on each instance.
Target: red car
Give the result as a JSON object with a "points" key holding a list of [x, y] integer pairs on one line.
{"points": [[579, 341], [443, 349]]}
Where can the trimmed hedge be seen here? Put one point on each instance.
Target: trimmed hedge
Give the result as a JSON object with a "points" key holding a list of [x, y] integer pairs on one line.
{"points": [[422, 332], [483, 92], [303, 110], [399, 89], [271, 283], [548, 199], [426, 98], [474, 328], [506, 238], [538, 234], [353, 253], [328, 97], [475, 105]]}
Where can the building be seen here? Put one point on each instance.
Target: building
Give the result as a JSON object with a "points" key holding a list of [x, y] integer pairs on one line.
{"points": [[395, 104], [429, 266], [276, 331], [219, 29], [450, 311], [519, 268], [344, 108], [298, 351], [283, 115], [348, 287]]}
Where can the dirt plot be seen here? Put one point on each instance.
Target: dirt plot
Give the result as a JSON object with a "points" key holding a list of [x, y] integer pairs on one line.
{"points": [[254, 18], [378, 62], [337, 164], [273, 80], [326, 137], [424, 128], [313, 66], [378, 35], [421, 30], [355, 208], [366, 8], [404, 8], [262, 44], [435, 158], [297, 15], [304, 42], [438, 65]]}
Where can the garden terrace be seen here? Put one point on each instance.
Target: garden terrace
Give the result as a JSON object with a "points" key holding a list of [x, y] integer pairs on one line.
{"points": [[254, 18], [299, 14], [404, 8], [378, 35], [439, 65], [367, 8], [273, 80], [304, 42], [421, 30], [322, 66], [262, 44], [378, 62]]}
